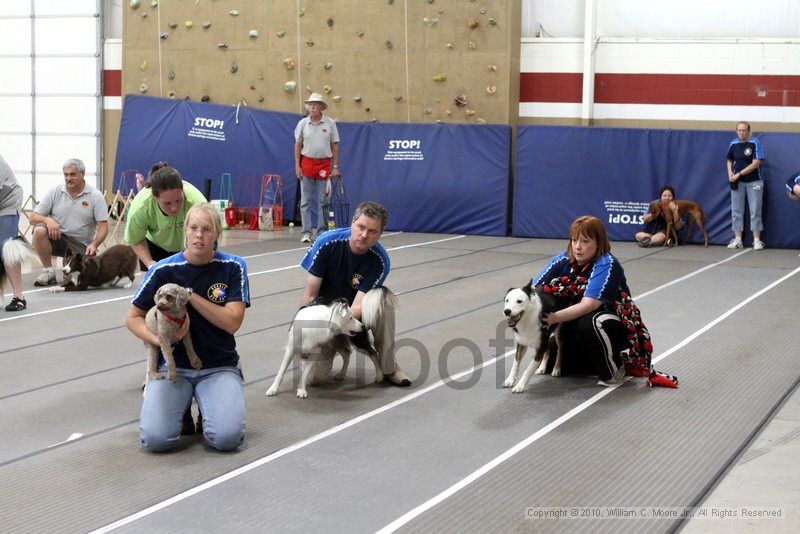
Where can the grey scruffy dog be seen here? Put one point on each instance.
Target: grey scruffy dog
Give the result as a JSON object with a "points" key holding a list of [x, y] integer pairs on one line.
{"points": [[165, 319]]}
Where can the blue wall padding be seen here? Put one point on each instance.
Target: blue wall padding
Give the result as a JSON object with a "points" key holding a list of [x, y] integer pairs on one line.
{"points": [[432, 178], [612, 173]]}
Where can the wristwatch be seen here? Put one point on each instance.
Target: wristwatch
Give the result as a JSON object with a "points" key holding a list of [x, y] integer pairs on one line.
{"points": [[190, 290]]}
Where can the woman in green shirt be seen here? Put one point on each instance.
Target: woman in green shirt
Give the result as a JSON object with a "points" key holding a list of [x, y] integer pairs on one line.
{"points": [[154, 226]]}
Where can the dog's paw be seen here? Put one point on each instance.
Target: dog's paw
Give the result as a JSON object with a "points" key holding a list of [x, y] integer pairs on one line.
{"points": [[339, 376], [302, 393], [271, 392], [508, 383], [556, 372], [196, 365], [519, 388], [378, 378], [57, 289], [128, 285]]}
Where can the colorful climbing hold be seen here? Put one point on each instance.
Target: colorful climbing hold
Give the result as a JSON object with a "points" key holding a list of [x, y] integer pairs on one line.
{"points": [[337, 98], [143, 87], [288, 63], [143, 65], [330, 23], [280, 34], [188, 23], [233, 12], [470, 112], [460, 100], [357, 98], [389, 44], [234, 67], [223, 44], [290, 86], [206, 24], [172, 24], [328, 66], [171, 75], [473, 23], [441, 77], [491, 89], [493, 68], [135, 4], [327, 89], [253, 34]]}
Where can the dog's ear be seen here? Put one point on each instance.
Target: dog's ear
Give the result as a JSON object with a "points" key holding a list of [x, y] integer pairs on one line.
{"points": [[528, 288]]}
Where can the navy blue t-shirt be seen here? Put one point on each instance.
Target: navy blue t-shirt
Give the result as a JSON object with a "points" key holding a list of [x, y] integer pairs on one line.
{"points": [[344, 273], [742, 153], [606, 277], [222, 280]]}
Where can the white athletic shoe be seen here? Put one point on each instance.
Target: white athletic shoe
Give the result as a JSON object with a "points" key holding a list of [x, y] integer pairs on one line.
{"points": [[735, 243], [758, 244]]}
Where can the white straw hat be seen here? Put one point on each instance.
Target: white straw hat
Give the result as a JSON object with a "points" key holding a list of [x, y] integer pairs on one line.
{"points": [[316, 97]]}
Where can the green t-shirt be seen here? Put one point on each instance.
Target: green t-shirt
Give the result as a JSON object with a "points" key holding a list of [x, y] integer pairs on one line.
{"points": [[146, 220]]}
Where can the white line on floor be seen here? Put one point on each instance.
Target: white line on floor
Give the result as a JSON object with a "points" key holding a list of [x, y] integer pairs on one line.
{"points": [[352, 422], [287, 450], [475, 475], [277, 269], [71, 437], [691, 274]]}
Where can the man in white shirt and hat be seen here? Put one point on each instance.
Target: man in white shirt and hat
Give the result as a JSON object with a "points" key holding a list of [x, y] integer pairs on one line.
{"points": [[316, 159]]}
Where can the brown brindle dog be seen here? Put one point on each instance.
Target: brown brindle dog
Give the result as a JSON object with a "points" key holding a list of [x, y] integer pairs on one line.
{"points": [[684, 206]]}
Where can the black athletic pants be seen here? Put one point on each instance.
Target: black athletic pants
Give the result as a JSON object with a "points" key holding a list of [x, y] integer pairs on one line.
{"points": [[591, 344]]}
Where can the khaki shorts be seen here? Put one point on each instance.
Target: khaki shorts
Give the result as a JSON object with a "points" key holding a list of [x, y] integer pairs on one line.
{"points": [[64, 243]]}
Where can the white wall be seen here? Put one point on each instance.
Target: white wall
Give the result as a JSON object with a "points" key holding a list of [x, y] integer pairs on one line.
{"points": [[665, 18]]}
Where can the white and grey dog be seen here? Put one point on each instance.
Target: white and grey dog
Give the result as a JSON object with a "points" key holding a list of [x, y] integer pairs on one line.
{"points": [[319, 330], [165, 319], [523, 308], [16, 251]]}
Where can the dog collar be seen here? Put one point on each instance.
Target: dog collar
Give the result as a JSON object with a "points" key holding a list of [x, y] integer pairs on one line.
{"points": [[175, 320]]}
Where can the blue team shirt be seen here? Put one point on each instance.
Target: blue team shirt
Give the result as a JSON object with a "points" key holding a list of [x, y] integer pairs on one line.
{"points": [[605, 277], [223, 280], [343, 272], [742, 153]]}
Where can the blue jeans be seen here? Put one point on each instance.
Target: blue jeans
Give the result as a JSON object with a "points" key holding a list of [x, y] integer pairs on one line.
{"points": [[753, 191], [219, 396], [312, 190], [9, 225]]}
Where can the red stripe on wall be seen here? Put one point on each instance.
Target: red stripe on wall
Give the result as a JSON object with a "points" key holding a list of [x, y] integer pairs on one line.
{"points": [[697, 89], [550, 87], [112, 83]]}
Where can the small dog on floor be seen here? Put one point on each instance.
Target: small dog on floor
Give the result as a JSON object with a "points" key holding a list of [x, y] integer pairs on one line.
{"points": [[165, 319], [684, 206], [322, 329], [523, 309], [93, 271]]}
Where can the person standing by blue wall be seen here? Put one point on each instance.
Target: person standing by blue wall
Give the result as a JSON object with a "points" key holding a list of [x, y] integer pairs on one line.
{"points": [[316, 159], [745, 155]]}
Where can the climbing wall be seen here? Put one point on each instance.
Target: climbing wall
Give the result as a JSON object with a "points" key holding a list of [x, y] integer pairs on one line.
{"points": [[387, 60]]}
